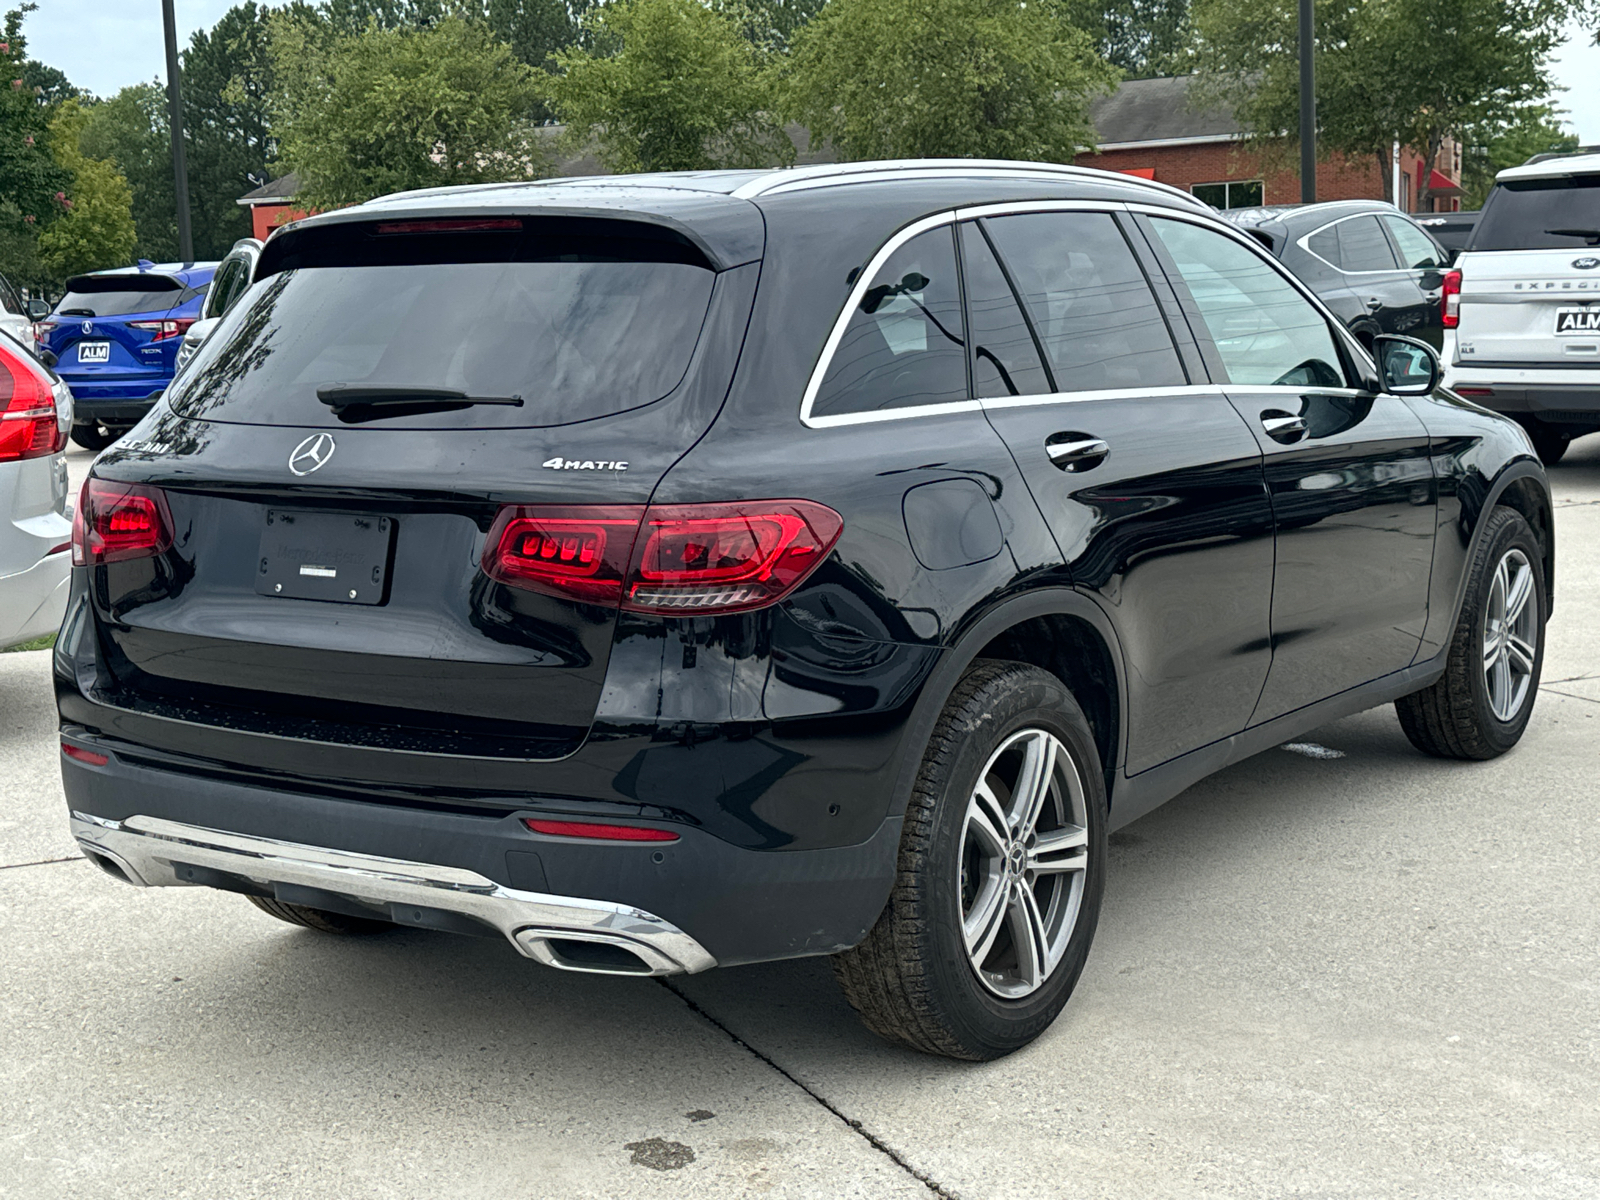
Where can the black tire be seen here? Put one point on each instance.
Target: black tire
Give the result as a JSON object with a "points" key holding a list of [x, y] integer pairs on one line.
{"points": [[320, 919], [1455, 718], [911, 980], [95, 437], [1549, 444]]}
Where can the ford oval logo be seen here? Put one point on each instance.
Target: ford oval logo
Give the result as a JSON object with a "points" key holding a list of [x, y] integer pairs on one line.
{"points": [[312, 454], [1586, 264]]}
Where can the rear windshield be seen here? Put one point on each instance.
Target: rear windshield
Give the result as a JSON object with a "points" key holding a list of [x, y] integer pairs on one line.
{"points": [[114, 295], [542, 322], [1540, 214]]}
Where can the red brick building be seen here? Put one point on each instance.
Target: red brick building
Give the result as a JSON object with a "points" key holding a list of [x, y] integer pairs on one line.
{"points": [[1147, 128]]}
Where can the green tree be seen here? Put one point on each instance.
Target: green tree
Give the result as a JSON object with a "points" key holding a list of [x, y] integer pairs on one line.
{"points": [[394, 109], [670, 85], [95, 230], [30, 176], [1413, 71], [952, 78], [1142, 38], [1536, 129], [130, 131]]}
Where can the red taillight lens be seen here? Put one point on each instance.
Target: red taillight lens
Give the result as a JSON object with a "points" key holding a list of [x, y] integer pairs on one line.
{"points": [[85, 756], [722, 558], [1450, 300], [577, 553], [28, 426], [680, 559], [164, 330], [118, 521], [604, 833]]}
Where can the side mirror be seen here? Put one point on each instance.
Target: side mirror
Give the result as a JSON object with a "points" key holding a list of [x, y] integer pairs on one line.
{"points": [[38, 310], [201, 330], [1408, 367]]}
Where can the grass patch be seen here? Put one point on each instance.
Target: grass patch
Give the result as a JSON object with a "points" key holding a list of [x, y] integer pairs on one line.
{"points": [[43, 643]]}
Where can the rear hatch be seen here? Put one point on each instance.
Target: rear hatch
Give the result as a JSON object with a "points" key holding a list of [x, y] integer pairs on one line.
{"points": [[1530, 286], [116, 328], [338, 453]]}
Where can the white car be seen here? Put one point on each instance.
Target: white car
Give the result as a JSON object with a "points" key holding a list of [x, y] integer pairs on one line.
{"points": [[14, 318], [1522, 307], [35, 533], [232, 279]]}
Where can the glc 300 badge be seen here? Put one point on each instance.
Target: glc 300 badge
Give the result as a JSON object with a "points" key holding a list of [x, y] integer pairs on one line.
{"points": [[312, 454], [582, 464]]}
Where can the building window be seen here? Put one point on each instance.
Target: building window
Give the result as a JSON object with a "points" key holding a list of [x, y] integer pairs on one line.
{"points": [[1237, 193]]}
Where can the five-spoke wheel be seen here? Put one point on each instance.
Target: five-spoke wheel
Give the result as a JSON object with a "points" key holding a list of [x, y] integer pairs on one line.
{"points": [[1510, 635]]}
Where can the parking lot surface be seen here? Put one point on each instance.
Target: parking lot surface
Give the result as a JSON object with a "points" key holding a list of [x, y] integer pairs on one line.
{"points": [[1339, 970]]}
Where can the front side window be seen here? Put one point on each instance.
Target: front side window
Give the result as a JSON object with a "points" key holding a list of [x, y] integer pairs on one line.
{"points": [[905, 345], [1265, 331], [1090, 303], [1417, 251]]}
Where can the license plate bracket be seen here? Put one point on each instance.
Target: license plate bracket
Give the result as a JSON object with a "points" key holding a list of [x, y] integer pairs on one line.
{"points": [[341, 558], [94, 352], [1578, 320]]}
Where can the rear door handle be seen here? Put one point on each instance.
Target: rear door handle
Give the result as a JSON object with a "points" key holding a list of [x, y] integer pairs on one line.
{"points": [[1076, 452], [1283, 427], [1374, 302]]}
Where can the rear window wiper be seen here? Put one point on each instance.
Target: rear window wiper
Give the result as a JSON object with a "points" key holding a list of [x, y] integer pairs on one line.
{"points": [[75, 312], [364, 401], [1591, 236]]}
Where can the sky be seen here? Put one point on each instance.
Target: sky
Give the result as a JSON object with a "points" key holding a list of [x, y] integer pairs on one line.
{"points": [[104, 45]]}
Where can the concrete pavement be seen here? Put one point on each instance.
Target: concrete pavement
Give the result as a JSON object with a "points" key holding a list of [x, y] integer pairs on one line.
{"points": [[1364, 975]]}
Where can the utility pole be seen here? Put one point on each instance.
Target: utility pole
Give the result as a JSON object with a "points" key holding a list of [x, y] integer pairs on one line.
{"points": [[1308, 106], [180, 169]]}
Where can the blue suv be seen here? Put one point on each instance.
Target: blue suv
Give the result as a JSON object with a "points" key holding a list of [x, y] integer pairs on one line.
{"points": [[115, 336]]}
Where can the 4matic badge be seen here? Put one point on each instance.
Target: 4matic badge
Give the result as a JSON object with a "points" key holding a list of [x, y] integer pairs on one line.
{"points": [[582, 464]]}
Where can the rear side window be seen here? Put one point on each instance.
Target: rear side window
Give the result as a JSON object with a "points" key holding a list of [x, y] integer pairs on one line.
{"points": [[1540, 214], [1005, 361], [904, 345], [1265, 331], [558, 319], [1417, 251], [1090, 303], [117, 295], [1362, 246]]}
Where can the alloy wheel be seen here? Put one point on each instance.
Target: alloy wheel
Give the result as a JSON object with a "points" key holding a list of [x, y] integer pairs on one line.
{"points": [[1024, 856], [1510, 635]]}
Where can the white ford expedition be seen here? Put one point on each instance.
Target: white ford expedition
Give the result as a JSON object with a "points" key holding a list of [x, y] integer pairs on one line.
{"points": [[1522, 307]]}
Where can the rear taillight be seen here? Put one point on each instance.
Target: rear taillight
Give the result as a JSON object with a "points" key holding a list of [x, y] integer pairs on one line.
{"points": [[42, 330], [679, 559], [118, 521], [1450, 300], [164, 330], [28, 424]]}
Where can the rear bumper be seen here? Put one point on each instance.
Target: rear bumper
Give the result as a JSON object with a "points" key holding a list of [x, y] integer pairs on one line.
{"points": [[685, 905], [32, 602], [119, 410], [151, 852]]}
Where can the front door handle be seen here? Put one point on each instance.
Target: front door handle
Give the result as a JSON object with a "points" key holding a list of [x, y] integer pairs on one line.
{"points": [[1374, 302], [1075, 451], [1283, 427]]}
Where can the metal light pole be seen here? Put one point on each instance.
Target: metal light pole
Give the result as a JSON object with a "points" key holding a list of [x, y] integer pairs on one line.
{"points": [[1308, 107], [180, 169]]}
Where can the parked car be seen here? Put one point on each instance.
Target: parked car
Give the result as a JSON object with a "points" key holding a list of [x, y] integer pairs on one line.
{"points": [[1374, 266], [1451, 230], [35, 535], [1522, 316], [115, 335], [232, 279], [14, 319], [676, 571]]}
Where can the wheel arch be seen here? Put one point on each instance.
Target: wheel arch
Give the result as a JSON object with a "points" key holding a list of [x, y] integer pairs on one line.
{"points": [[1057, 629], [1523, 488]]}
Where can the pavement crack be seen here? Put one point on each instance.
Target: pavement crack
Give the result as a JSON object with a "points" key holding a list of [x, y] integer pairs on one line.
{"points": [[43, 862], [1568, 695], [857, 1127]]}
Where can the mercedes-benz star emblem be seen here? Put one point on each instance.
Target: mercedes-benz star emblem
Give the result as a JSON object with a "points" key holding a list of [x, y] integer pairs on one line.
{"points": [[311, 454], [1586, 264], [88, 328]]}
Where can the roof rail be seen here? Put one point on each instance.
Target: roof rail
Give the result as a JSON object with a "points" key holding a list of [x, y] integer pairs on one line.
{"points": [[837, 174]]}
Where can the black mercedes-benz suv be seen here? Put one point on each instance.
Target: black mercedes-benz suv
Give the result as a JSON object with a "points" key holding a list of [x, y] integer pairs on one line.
{"points": [[682, 570]]}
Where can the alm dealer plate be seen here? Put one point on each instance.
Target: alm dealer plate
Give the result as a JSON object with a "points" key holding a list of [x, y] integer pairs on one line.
{"points": [[342, 557], [1578, 320]]}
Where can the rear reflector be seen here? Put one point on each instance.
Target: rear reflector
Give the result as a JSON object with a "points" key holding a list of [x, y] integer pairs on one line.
{"points": [[84, 756], [604, 833], [1471, 391], [671, 560], [115, 522]]}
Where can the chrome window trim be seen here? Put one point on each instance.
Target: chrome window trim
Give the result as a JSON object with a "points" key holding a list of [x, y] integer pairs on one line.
{"points": [[1137, 393], [1301, 242]]}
